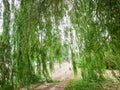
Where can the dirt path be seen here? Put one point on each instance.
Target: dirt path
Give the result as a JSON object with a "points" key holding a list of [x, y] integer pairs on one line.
{"points": [[62, 73]]}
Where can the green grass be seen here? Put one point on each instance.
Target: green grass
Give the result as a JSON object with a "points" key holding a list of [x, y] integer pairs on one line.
{"points": [[83, 85], [106, 84]]}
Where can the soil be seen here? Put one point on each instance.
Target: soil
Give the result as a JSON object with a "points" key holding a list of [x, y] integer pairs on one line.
{"points": [[62, 74]]}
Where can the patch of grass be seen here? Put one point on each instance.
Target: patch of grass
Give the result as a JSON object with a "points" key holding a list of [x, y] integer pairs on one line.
{"points": [[83, 85], [106, 84]]}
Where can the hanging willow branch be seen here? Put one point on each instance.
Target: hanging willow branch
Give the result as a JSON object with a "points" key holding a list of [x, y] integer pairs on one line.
{"points": [[31, 54], [94, 24], [35, 39], [5, 62]]}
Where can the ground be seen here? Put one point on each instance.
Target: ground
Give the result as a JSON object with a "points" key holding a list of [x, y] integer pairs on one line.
{"points": [[63, 73]]}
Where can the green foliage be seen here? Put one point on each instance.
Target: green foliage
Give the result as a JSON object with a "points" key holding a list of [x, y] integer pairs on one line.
{"points": [[32, 39], [83, 85], [92, 85], [5, 53], [95, 23], [30, 43], [111, 61]]}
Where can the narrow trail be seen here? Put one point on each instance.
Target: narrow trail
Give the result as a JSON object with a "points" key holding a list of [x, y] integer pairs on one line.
{"points": [[61, 73]]}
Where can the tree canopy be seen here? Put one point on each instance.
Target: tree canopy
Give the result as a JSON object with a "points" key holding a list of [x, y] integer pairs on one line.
{"points": [[31, 38]]}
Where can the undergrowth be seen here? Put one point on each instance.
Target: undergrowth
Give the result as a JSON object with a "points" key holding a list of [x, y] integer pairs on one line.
{"points": [[107, 84], [83, 85]]}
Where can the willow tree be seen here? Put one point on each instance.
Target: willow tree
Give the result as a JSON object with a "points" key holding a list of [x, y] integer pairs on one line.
{"points": [[97, 25], [34, 39], [30, 42]]}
